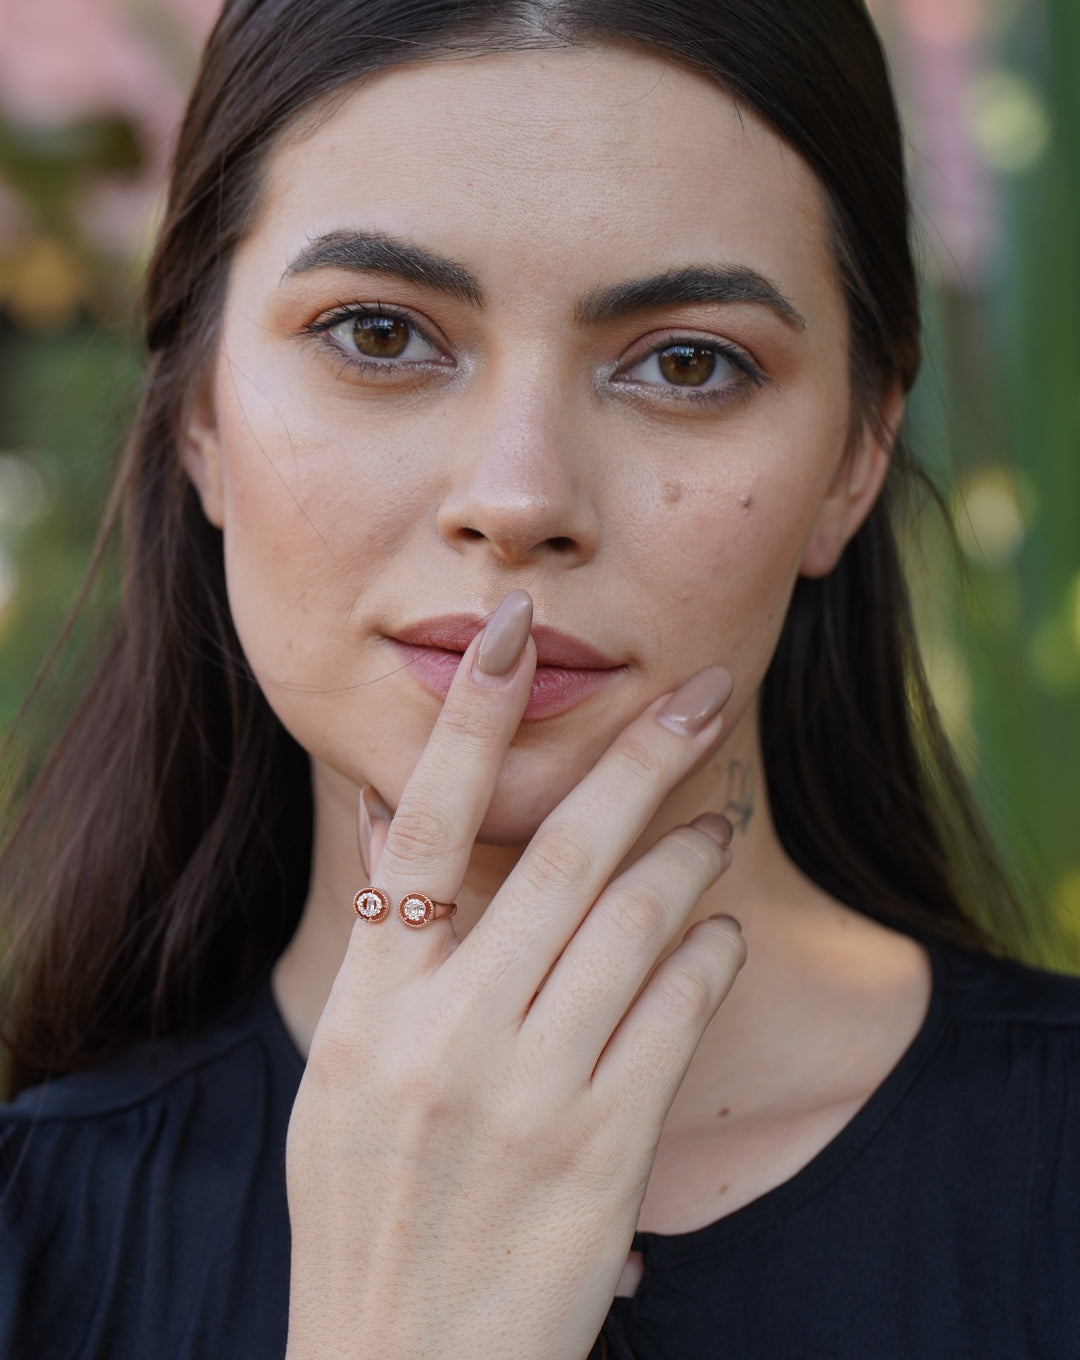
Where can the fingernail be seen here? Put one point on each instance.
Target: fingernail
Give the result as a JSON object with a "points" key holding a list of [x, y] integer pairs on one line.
{"points": [[723, 916], [374, 805], [370, 808], [716, 826], [696, 703], [505, 636]]}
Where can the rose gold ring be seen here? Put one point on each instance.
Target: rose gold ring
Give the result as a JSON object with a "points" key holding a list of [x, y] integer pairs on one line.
{"points": [[371, 904], [417, 910]]}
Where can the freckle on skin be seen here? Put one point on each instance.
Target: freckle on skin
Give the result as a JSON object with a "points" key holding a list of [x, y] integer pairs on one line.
{"points": [[671, 492], [721, 1113], [722, 1190], [746, 500]]}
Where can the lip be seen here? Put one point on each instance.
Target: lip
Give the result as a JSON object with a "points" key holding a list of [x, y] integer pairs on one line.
{"points": [[568, 669]]}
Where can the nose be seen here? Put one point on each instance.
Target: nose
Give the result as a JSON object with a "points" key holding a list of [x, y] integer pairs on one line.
{"points": [[522, 484]]}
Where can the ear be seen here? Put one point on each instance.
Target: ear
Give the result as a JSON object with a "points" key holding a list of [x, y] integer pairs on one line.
{"points": [[200, 449], [855, 488]]}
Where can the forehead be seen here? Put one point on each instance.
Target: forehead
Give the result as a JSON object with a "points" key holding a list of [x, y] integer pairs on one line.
{"points": [[565, 164]]}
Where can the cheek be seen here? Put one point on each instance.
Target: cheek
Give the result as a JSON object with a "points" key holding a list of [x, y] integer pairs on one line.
{"points": [[733, 536], [301, 543]]}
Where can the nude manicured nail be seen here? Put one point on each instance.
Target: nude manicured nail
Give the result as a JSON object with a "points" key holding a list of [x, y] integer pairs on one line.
{"points": [[505, 636], [374, 805], [716, 826], [371, 808], [696, 703]]}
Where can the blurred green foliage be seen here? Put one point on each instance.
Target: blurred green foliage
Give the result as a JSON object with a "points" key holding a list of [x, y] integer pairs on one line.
{"points": [[64, 401], [998, 416]]}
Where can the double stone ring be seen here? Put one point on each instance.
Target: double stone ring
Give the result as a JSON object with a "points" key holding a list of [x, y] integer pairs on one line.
{"points": [[415, 909]]}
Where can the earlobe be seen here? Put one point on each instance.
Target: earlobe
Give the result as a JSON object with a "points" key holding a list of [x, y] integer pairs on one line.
{"points": [[200, 451], [854, 489]]}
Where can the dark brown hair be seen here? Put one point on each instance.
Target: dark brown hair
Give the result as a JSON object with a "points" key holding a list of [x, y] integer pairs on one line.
{"points": [[161, 857]]}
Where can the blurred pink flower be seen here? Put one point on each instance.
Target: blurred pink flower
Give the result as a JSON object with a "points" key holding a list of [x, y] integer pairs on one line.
{"points": [[195, 16], [943, 43], [64, 61]]}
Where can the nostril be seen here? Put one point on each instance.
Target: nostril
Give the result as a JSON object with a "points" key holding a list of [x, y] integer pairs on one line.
{"points": [[561, 544]]}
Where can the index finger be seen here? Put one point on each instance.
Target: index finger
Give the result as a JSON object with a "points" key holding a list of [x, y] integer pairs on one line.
{"points": [[431, 835]]}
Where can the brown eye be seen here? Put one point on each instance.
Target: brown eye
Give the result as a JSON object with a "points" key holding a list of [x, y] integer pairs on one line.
{"points": [[687, 365], [381, 337]]}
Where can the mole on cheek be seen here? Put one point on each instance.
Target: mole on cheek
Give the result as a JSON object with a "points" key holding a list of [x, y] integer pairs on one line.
{"points": [[746, 500], [671, 492]]}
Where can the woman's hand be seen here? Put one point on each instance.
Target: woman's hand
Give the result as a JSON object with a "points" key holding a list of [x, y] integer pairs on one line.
{"points": [[474, 1133]]}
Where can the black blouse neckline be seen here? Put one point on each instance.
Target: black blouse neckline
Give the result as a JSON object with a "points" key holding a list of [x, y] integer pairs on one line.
{"points": [[661, 1250]]}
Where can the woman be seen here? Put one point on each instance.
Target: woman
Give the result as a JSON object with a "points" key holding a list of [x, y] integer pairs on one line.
{"points": [[516, 474]]}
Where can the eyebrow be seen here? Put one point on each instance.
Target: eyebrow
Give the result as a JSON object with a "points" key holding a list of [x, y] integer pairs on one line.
{"points": [[697, 284], [375, 252]]}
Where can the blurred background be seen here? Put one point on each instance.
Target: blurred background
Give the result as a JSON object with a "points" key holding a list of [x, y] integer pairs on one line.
{"points": [[90, 94]]}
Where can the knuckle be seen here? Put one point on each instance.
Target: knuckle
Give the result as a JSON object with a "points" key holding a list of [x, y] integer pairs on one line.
{"points": [[417, 1082], [728, 939], [419, 832], [470, 724], [686, 992], [638, 916], [637, 759], [563, 857], [698, 850]]}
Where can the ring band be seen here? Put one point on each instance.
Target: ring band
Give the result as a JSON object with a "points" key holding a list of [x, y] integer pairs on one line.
{"points": [[417, 910], [371, 904]]}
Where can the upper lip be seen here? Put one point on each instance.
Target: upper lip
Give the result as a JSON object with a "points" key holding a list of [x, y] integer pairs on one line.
{"points": [[454, 632]]}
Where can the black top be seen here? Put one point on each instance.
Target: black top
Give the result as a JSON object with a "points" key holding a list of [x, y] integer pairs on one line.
{"points": [[143, 1205]]}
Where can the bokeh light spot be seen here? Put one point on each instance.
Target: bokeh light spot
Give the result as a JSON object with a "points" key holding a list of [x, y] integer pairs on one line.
{"points": [[945, 23], [23, 493], [1055, 656], [43, 284], [949, 678], [988, 517], [1009, 121], [1075, 612]]}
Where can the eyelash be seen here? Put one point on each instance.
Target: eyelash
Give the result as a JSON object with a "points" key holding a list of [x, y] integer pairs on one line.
{"points": [[750, 377], [363, 365]]}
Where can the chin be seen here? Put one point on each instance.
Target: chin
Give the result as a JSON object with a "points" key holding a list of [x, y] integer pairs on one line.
{"points": [[521, 803]]}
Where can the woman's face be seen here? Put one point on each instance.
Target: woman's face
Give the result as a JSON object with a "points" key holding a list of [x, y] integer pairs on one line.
{"points": [[565, 321]]}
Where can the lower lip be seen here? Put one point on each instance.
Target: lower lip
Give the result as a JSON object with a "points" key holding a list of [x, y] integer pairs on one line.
{"points": [[555, 689]]}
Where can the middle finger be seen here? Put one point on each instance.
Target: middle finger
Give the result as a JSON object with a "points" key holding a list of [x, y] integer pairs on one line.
{"points": [[581, 843]]}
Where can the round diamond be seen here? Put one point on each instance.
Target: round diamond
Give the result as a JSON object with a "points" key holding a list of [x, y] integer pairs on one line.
{"points": [[370, 905], [415, 909]]}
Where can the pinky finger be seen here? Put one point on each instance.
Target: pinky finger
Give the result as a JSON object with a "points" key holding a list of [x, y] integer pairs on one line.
{"points": [[652, 1047]]}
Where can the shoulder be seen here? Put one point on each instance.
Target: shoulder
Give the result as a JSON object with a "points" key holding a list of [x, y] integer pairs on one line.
{"points": [[174, 1096], [1004, 1028], [165, 1167], [983, 990], [1001, 1084], [151, 1072]]}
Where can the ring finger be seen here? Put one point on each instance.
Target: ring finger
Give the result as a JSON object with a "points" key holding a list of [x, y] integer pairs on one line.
{"points": [[604, 966]]}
